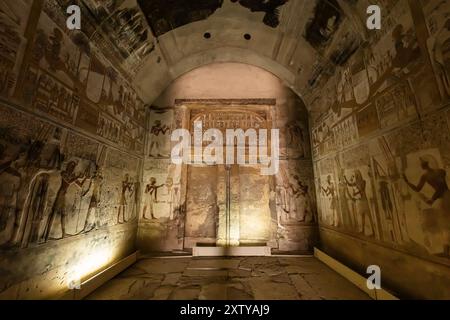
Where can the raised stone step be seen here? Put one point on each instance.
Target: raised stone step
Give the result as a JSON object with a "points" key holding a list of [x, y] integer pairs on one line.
{"points": [[238, 251]]}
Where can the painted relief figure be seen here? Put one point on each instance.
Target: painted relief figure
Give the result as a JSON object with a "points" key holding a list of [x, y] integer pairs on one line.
{"points": [[387, 181], [157, 130], [11, 171], [173, 193], [96, 182], [302, 203], [437, 216], [293, 200], [35, 208], [13, 20], [330, 192], [296, 138], [127, 186], [359, 195], [30, 194], [439, 44], [151, 197], [347, 215], [68, 178]]}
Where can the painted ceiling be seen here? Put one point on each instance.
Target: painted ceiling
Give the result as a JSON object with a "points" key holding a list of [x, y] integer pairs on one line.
{"points": [[152, 39]]}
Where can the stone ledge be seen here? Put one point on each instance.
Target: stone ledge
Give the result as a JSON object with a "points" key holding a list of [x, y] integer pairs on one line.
{"points": [[353, 276], [231, 251]]}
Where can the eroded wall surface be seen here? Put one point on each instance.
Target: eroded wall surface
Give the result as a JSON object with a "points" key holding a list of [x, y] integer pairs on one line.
{"points": [[184, 204], [71, 146], [381, 147]]}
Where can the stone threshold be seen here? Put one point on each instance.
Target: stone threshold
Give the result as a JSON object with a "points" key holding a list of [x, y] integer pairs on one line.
{"points": [[237, 251]]}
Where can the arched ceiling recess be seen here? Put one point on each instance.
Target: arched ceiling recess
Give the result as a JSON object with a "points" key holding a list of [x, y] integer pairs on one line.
{"points": [[226, 80], [299, 49], [300, 41]]}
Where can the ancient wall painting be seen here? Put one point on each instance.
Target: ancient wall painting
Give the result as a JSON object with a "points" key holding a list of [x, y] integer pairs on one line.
{"points": [[62, 175], [53, 183], [123, 31], [325, 188], [202, 204], [396, 52], [355, 175], [184, 205], [345, 132], [159, 134], [121, 192], [367, 121], [13, 21], [322, 136], [326, 20], [101, 9], [438, 23], [374, 191], [334, 133], [294, 135], [161, 199], [21, 156], [346, 44], [392, 189], [295, 193], [380, 80], [67, 80], [388, 185], [396, 105], [162, 203], [294, 205]]}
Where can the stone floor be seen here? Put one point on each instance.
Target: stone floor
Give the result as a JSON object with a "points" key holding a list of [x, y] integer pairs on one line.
{"points": [[261, 278]]}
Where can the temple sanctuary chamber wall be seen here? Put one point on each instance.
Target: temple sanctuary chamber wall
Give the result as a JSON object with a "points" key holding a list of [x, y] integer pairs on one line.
{"points": [[362, 115], [380, 132], [184, 205], [71, 148]]}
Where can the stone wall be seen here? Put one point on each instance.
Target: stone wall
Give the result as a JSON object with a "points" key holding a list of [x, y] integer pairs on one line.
{"points": [[184, 205], [71, 147], [381, 146]]}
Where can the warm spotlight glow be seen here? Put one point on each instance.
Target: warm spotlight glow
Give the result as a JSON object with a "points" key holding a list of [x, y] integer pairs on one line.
{"points": [[94, 261]]}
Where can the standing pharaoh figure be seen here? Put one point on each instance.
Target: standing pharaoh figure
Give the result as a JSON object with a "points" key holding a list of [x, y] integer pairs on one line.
{"points": [[96, 186], [330, 192], [127, 186], [345, 213], [301, 204], [362, 202], [25, 167], [68, 178]]}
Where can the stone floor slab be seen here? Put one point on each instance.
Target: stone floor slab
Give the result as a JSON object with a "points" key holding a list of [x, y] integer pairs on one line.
{"points": [[267, 278]]}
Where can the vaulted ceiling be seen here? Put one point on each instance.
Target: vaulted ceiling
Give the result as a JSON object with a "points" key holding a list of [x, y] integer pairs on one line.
{"points": [[300, 41]]}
